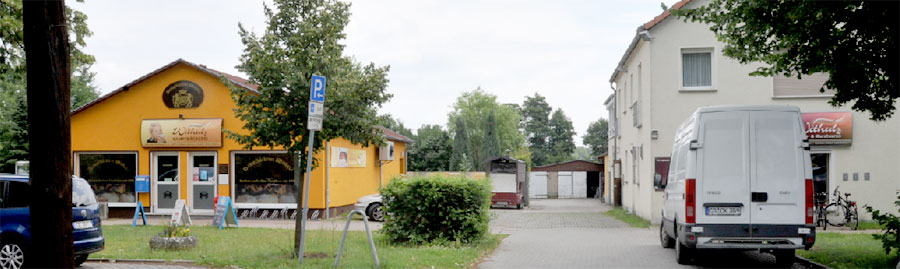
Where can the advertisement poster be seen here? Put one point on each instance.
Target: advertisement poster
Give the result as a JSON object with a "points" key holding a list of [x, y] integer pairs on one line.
{"points": [[181, 133], [828, 127], [264, 178], [344, 157]]}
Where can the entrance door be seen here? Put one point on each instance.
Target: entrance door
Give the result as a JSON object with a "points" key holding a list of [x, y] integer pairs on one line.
{"points": [[202, 186], [538, 184], [166, 188], [820, 174]]}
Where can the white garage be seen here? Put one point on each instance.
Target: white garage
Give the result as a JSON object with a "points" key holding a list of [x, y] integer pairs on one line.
{"points": [[573, 179]]}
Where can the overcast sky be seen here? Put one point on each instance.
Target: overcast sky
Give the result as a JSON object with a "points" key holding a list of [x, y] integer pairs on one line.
{"points": [[563, 50]]}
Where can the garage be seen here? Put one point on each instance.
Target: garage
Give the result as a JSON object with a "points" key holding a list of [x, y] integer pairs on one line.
{"points": [[572, 179]]}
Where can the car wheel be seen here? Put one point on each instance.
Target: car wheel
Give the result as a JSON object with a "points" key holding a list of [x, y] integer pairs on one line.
{"points": [[664, 239], [80, 259], [375, 212], [682, 252], [784, 257], [12, 255]]}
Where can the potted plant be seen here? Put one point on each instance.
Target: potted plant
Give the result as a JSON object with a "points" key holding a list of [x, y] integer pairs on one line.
{"points": [[174, 237]]}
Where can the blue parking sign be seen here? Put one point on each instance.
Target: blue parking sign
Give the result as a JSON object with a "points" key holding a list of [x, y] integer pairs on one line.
{"points": [[317, 89]]}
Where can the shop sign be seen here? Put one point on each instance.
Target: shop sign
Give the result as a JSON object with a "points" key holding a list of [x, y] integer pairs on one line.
{"points": [[344, 157], [181, 133], [824, 128], [183, 94]]}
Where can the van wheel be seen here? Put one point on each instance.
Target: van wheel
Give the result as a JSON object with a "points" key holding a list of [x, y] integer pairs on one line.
{"points": [[683, 254], [80, 259], [664, 239], [784, 257], [12, 255]]}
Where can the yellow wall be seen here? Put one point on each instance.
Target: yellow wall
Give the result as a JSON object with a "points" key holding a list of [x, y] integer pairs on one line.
{"points": [[114, 125]]}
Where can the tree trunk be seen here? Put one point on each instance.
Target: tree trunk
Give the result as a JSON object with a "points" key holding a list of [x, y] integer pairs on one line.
{"points": [[48, 72]]}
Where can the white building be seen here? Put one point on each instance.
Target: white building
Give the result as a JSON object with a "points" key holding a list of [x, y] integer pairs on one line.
{"points": [[672, 67]]}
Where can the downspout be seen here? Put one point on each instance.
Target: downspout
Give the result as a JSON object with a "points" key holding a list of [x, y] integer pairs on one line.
{"points": [[327, 178], [612, 152]]}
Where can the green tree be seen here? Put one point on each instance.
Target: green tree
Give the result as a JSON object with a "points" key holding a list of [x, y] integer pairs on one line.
{"points": [[855, 42], [432, 149], [490, 145], [473, 108], [562, 143], [582, 153], [536, 124], [303, 38], [596, 137], [458, 157], [388, 121]]}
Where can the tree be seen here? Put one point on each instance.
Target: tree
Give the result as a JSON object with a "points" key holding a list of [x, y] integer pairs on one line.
{"points": [[596, 137], [458, 158], [473, 108], [490, 145], [303, 39], [432, 149], [562, 144], [855, 42], [388, 121], [582, 153], [536, 121]]}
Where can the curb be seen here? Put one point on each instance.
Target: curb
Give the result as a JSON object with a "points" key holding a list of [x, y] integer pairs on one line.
{"points": [[160, 261], [811, 264]]}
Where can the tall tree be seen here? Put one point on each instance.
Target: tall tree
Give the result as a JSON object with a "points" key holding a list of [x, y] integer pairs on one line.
{"points": [[596, 137], [303, 38], [536, 121], [856, 42], [432, 149], [562, 143], [388, 121], [460, 146], [48, 74], [490, 145], [473, 108]]}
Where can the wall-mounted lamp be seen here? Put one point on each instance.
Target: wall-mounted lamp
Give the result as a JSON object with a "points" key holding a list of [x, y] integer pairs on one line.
{"points": [[654, 134], [180, 116]]}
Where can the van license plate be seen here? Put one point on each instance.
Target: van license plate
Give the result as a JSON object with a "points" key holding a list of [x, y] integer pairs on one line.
{"points": [[723, 211]]}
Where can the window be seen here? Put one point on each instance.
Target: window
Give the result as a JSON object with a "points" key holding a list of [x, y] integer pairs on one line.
{"points": [[809, 86], [696, 69], [111, 175], [17, 195], [264, 177]]}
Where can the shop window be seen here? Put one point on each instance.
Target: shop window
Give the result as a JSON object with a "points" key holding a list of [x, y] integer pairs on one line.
{"points": [[264, 178], [111, 175]]}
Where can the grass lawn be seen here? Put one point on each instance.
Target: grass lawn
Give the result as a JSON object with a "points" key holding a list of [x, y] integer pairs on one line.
{"points": [[630, 219], [838, 250], [266, 248]]}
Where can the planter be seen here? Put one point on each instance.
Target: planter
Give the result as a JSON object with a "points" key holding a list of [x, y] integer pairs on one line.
{"points": [[173, 243]]}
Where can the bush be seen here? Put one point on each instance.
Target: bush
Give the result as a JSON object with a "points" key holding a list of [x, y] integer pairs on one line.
{"points": [[436, 208], [889, 236]]}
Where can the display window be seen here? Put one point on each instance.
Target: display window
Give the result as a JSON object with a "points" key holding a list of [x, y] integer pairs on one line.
{"points": [[263, 178], [111, 175]]}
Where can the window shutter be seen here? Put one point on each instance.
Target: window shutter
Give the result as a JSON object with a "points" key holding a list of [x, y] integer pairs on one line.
{"points": [[808, 86]]}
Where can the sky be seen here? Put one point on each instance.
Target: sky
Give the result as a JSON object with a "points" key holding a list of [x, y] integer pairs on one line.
{"points": [[563, 50]]}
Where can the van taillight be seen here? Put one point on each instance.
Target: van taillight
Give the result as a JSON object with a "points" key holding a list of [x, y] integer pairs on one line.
{"points": [[690, 201], [809, 201]]}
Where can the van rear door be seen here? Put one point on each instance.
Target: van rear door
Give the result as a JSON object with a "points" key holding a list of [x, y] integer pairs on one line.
{"points": [[777, 171], [723, 181]]}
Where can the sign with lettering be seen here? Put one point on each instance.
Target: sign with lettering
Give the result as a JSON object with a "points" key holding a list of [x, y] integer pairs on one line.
{"points": [[183, 94], [317, 89], [181, 215], [142, 183], [225, 213], [181, 133], [824, 128]]}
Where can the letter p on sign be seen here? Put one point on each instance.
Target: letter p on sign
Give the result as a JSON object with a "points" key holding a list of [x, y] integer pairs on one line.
{"points": [[317, 89]]}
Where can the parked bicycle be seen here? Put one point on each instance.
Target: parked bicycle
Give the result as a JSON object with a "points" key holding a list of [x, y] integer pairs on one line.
{"points": [[842, 212], [821, 201]]}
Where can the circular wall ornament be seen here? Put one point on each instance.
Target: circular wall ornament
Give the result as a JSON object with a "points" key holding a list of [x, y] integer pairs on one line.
{"points": [[183, 94]]}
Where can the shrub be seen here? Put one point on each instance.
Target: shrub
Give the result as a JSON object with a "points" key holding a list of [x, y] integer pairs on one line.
{"points": [[436, 208], [889, 236]]}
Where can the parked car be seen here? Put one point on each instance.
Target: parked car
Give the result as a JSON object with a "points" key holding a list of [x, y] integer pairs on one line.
{"points": [[740, 178], [372, 205], [15, 228]]}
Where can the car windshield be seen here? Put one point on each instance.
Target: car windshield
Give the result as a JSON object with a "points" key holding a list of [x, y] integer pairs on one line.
{"points": [[82, 195]]}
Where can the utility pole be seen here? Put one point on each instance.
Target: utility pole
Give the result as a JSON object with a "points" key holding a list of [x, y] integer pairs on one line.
{"points": [[48, 71]]}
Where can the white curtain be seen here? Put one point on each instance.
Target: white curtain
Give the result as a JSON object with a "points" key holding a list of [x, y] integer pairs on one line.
{"points": [[696, 69]]}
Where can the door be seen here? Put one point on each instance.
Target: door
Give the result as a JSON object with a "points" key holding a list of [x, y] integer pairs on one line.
{"points": [[777, 168], [202, 185], [723, 178], [165, 172], [579, 184], [538, 185], [564, 187]]}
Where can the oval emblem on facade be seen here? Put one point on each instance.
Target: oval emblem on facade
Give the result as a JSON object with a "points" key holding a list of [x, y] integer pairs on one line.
{"points": [[183, 94]]}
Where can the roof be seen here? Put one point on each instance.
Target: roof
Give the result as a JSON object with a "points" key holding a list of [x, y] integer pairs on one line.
{"points": [[394, 135], [575, 165], [244, 83], [724, 108], [11, 177], [641, 33]]}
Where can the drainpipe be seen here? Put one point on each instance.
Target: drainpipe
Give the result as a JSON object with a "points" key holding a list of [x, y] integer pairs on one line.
{"points": [[611, 141], [327, 178]]}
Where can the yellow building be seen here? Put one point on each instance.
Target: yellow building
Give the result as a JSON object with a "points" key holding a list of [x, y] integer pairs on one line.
{"points": [[167, 128]]}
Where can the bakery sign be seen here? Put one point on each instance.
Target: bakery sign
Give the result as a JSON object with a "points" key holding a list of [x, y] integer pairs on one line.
{"points": [[826, 128], [181, 133]]}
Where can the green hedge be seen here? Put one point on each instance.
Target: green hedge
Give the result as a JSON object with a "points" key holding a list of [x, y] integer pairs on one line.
{"points": [[436, 208]]}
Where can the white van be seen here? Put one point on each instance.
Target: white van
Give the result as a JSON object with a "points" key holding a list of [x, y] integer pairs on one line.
{"points": [[740, 178]]}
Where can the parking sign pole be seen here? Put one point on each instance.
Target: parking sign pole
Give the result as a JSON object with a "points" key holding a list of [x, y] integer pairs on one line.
{"points": [[312, 136], [314, 122]]}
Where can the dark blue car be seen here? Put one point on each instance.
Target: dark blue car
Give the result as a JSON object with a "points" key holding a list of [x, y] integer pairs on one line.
{"points": [[15, 232]]}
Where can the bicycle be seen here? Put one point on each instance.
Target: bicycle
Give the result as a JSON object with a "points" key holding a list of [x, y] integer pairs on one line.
{"points": [[821, 201], [842, 212]]}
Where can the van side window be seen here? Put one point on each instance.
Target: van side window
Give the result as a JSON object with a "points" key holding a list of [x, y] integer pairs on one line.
{"points": [[682, 161], [17, 195], [673, 167]]}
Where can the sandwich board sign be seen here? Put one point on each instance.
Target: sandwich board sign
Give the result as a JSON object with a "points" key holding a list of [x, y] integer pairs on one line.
{"points": [[225, 213], [180, 216]]}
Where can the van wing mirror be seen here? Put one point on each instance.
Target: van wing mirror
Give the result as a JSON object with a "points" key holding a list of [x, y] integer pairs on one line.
{"points": [[696, 145]]}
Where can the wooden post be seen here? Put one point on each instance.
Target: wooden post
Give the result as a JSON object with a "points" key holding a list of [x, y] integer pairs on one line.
{"points": [[48, 72]]}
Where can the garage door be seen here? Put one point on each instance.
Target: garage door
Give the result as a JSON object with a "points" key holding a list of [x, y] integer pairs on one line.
{"points": [[565, 184], [538, 185], [579, 184]]}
